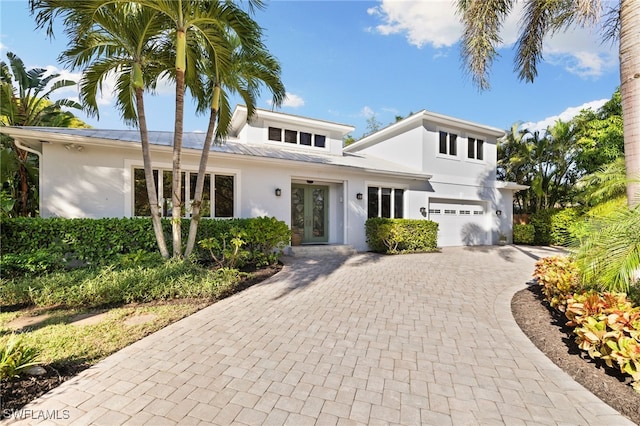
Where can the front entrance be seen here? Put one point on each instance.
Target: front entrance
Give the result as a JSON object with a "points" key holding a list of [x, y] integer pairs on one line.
{"points": [[309, 212]]}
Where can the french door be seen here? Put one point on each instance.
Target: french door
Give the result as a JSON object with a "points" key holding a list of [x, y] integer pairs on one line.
{"points": [[310, 212]]}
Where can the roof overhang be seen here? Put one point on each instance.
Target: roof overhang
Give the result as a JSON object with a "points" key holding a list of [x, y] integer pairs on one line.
{"points": [[511, 186], [239, 119], [417, 119]]}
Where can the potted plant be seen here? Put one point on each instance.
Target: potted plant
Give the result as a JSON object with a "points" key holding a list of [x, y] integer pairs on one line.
{"points": [[502, 238]]}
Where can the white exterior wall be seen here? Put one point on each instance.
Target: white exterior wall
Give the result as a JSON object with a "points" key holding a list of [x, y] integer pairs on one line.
{"points": [[82, 184]]}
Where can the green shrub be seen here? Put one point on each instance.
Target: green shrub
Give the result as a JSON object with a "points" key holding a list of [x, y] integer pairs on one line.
{"points": [[401, 235], [103, 241], [266, 237], [226, 250], [15, 356], [31, 263], [558, 276], [523, 234], [607, 326], [557, 226]]}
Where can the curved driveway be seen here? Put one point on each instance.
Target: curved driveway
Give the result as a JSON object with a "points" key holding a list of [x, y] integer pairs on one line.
{"points": [[412, 339]]}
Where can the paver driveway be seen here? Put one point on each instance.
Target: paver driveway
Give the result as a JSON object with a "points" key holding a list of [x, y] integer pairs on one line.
{"points": [[412, 339]]}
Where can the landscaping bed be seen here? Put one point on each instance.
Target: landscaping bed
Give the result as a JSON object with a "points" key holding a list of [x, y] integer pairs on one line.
{"points": [[547, 330]]}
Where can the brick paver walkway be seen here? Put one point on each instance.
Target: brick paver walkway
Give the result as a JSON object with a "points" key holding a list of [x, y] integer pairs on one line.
{"points": [[412, 339]]}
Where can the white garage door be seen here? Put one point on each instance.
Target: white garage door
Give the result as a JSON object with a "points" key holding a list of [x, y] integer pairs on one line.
{"points": [[461, 222]]}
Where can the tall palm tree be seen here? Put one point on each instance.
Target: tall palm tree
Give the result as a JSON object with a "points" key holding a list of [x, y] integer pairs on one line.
{"points": [[192, 33], [121, 40], [25, 101], [195, 27], [249, 69], [482, 20]]}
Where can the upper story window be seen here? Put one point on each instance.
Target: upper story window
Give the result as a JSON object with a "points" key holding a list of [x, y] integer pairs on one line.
{"points": [[448, 144], [295, 137], [385, 202], [475, 148]]}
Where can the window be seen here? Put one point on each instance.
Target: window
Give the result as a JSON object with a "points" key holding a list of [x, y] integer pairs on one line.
{"points": [[297, 138], [448, 144], [478, 212], [223, 191], [275, 134], [434, 211], [385, 202], [447, 211], [290, 136], [475, 148], [465, 212], [319, 141], [305, 138]]}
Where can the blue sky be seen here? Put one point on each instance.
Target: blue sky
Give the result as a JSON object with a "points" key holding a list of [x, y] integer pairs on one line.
{"points": [[345, 61]]}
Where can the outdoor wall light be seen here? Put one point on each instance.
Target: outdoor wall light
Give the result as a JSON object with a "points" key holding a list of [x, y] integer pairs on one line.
{"points": [[423, 210], [74, 147], [499, 212], [359, 195], [278, 192]]}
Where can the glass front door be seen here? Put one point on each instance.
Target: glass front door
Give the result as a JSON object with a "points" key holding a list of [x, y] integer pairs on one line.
{"points": [[309, 212]]}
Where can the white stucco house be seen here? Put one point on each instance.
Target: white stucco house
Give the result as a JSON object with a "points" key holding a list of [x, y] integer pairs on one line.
{"points": [[427, 166]]}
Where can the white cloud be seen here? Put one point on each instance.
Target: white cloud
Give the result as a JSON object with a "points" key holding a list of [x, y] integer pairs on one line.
{"points": [[293, 101], [424, 22], [565, 115], [367, 112], [435, 23]]}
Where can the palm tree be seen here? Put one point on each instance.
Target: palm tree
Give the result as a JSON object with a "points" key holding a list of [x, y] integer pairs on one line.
{"points": [[191, 33], [120, 40], [25, 101], [249, 69], [482, 20], [195, 27]]}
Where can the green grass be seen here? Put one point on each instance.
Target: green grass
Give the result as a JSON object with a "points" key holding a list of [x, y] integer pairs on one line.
{"points": [[170, 290], [119, 285], [59, 342]]}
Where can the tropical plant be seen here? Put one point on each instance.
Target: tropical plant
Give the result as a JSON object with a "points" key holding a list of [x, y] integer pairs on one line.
{"points": [[607, 183], [15, 357], [25, 101], [182, 40], [609, 255], [114, 40], [542, 160], [599, 135], [249, 69], [483, 19]]}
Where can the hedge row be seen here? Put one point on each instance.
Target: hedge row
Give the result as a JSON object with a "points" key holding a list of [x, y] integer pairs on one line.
{"points": [[100, 241], [401, 235], [550, 227]]}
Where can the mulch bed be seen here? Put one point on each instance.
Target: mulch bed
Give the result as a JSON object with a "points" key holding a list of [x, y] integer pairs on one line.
{"points": [[15, 394], [546, 328]]}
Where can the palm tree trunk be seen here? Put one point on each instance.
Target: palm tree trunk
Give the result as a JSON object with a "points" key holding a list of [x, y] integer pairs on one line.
{"points": [[630, 92], [176, 188], [24, 180], [152, 192], [197, 198]]}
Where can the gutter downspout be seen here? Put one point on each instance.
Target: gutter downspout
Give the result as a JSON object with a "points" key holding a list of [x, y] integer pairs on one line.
{"points": [[39, 154]]}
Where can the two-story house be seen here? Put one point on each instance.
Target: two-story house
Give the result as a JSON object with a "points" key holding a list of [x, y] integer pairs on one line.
{"points": [[427, 166]]}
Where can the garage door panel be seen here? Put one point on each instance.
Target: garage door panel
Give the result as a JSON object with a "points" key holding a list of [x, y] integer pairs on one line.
{"points": [[461, 223]]}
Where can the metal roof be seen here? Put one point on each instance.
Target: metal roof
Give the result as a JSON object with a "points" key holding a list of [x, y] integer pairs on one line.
{"points": [[195, 141]]}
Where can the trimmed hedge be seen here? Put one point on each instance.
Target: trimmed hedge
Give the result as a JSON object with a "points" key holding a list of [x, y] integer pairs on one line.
{"points": [[523, 234], [100, 241], [556, 226], [401, 235]]}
